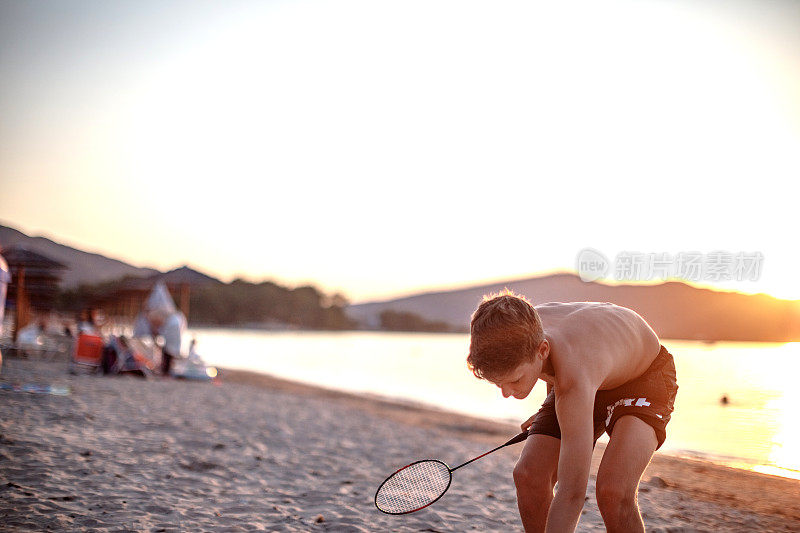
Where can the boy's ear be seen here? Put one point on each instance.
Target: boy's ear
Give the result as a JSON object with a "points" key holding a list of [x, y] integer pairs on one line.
{"points": [[544, 350]]}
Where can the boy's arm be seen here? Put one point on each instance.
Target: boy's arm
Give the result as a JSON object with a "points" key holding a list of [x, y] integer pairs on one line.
{"points": [[574, 405]]}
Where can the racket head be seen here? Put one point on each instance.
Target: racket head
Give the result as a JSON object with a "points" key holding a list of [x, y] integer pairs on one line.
{"points": [[413, 487]]}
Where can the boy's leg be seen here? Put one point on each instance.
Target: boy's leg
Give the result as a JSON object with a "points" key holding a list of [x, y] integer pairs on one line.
{"points": [[535, 477], [628, 453]]}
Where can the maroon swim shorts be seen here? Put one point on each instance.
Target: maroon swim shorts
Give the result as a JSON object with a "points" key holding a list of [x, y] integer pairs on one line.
{"points": [[650, 397]]}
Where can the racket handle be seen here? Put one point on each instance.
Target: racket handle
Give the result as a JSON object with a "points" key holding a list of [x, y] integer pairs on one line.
{"points": [[519, 438]]}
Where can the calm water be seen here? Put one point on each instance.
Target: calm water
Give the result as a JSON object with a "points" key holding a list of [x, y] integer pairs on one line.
{"points": [[757, 430]]}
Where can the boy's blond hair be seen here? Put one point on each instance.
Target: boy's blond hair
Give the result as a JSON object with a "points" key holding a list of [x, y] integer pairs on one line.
{"points": [[505, 331]]}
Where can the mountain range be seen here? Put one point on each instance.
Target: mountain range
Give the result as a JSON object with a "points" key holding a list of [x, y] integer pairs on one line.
{"points": [[89, 268], [675, 310]]}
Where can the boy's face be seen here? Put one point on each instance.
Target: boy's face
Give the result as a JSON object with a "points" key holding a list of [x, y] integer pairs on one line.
{"points": [[520, 381]]}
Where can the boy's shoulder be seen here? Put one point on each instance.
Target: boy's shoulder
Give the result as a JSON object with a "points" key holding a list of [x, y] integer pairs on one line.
{"points": [[567, 308]]}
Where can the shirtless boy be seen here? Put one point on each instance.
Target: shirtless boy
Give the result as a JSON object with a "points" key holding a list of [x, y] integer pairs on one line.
{"points": [[605, 370]]}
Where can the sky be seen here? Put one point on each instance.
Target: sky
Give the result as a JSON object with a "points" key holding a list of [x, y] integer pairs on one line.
{"points": [[378, 148]]}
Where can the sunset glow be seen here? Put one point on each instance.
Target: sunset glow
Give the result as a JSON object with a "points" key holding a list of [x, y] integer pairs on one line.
{"points": [[378, 148]]}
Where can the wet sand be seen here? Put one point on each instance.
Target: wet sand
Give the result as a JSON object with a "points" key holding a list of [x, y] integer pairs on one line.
{"points": [[262, 454]]}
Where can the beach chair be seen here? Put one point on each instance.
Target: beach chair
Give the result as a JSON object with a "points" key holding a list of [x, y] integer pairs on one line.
{"points": [[88, 353], [129, 357]]}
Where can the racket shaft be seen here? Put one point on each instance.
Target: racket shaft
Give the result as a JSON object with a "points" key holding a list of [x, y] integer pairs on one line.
{"points": [[519, 438]]}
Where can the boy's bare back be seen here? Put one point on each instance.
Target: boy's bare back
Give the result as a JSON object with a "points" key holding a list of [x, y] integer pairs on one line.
{"points": [[608, 344]]}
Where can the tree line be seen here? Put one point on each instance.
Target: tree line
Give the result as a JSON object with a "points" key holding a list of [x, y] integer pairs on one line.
{"points": [[264, 304], [245, 303]]}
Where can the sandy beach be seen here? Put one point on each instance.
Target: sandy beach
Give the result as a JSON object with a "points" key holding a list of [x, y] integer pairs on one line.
{"points": [[257, 453]]}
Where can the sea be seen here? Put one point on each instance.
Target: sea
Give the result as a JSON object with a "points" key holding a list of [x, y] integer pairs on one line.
{"points": [[756, 429]]}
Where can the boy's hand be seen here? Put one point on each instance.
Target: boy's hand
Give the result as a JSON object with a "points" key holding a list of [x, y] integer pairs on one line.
{"points": [[527, 424]]}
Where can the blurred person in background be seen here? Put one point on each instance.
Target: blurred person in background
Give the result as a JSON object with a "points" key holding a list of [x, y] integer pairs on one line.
{"points": [[170, 326], [87, 322]]}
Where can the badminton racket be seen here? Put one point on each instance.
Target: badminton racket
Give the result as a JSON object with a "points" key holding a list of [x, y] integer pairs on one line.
{"points": [[418, 485]]}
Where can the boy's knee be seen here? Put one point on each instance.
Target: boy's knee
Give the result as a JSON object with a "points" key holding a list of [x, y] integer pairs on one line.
{"points": [[530, 477], [613, 498]]}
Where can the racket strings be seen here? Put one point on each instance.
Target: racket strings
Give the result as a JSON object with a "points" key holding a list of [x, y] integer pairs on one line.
{"points": [[413, 487]]}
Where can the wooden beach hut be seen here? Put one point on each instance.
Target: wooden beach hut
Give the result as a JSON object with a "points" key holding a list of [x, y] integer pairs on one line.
{"points": [[34, 284]]}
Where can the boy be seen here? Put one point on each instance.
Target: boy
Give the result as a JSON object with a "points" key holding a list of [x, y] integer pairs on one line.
{"points": [[605, 370]]}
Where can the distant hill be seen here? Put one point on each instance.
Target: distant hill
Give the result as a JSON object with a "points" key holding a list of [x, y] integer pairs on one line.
{"points": [[88, 268], [110, 283], [674, 310]]}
